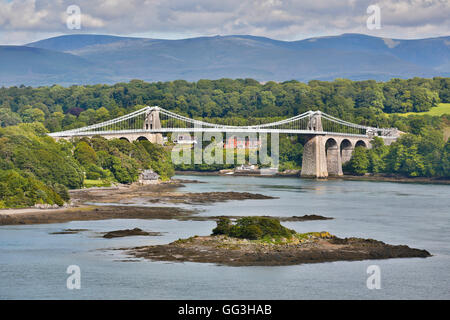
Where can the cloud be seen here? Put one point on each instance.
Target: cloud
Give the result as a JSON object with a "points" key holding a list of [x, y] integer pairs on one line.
{"points": [[281, 19]]}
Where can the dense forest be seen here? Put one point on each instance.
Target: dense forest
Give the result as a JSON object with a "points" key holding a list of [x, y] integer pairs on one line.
{"points": [[36, 169]]}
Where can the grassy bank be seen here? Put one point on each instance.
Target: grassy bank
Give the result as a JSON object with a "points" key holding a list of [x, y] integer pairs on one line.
{"points": [[441, 109]]}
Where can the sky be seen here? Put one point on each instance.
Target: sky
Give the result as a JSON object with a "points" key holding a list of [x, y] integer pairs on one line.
{"points": [[24, 21]]}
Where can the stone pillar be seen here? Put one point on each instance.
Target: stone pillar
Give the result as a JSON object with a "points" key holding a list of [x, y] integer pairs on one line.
{"points": [[155, 138], [314, 163]]}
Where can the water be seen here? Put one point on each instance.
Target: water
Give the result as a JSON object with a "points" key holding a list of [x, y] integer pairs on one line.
{"points": [[33, 262]]}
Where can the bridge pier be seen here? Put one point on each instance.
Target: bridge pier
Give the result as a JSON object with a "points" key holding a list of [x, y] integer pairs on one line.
{"points": [[314, 163]]}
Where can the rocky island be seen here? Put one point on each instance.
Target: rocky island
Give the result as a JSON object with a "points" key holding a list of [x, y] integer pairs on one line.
{"points": [[128, 233], [262, 241]]}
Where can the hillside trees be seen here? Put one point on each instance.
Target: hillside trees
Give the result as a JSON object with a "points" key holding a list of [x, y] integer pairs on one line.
{"points": [[423, 155], [34, 168], [245, 99], [120, 159]]}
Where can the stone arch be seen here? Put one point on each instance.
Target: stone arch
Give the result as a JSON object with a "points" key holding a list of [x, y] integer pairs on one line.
{"points": [[361, 143], [346, 149], [333, 157], [142, 138], [124, 138]]}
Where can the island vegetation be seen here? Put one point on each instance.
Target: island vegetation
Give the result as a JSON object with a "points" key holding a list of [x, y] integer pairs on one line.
{"points": [[253, 228], [35, 169]]}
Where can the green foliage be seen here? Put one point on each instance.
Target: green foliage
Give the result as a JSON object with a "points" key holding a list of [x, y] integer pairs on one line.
{"points": [[291, 152], [8, 118], [96, 183], [62, 191], [85, 154], [359, 163], [159, 159], [253, 228], [23, 190], [423, 155], [125, 170], [223, 226], [123, 160], [26, 148]]}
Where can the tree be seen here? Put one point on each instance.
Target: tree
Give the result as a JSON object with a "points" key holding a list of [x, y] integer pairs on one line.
{"points": [[8, 118], [359, 163], [125, 170], [102, 114], [403, 158], [85, 154], [33, 115]]}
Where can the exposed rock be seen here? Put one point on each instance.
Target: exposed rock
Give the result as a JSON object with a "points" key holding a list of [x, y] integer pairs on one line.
{"points": [[129, 232], [69, 231], [310, 248]]}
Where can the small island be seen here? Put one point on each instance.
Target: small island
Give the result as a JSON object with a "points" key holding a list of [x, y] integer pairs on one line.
{"points": [[263, 241], [128, 233]]}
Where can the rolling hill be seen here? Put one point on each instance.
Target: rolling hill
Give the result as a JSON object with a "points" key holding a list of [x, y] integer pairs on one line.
{"points": [[87, 59]]}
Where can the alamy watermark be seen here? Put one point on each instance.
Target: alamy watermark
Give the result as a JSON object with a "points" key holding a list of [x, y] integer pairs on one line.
{"points": [[374, 20], [237, 148], [74, 280], [374, 280], [73, 21]]}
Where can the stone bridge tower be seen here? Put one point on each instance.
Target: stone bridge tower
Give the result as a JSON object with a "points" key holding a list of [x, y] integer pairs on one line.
{"points": [[153, 122]]}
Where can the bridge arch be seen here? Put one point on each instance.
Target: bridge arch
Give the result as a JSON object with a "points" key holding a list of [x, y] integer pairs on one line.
{"points": [[361, 143], [124, 138], [333, 157], [346, 149], [142, 138]]}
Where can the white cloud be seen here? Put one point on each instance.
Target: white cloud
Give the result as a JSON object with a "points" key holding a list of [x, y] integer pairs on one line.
{"points": [[281, 19]]}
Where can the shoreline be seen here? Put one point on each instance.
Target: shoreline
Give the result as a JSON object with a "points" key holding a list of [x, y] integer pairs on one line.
{"points": [[135, 202], [375, 178]]}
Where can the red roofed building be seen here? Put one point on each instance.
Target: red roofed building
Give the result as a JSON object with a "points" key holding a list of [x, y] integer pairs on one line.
{"points": [[242, 143]]}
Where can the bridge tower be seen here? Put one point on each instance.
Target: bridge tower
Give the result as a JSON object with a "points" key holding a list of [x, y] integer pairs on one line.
{"points": [[153, 122], [314, 163]]}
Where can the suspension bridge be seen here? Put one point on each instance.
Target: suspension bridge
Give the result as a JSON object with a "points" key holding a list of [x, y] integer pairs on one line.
{"points": [[330, 141]]}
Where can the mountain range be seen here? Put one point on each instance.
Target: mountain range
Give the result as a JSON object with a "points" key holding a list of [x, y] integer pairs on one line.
{"points": [[91, 59]]}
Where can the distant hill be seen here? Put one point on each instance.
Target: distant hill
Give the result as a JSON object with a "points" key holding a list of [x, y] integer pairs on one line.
{"points": [[87, 59], [76, 41], [35, 66]]}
